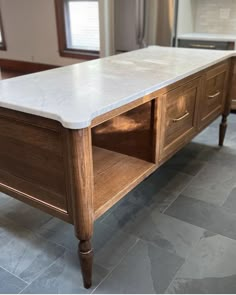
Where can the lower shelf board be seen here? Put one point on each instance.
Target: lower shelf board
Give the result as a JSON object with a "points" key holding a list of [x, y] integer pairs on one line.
{"points": [[115, 175]]}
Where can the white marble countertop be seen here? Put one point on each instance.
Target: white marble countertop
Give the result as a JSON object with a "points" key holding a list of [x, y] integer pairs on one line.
{"points": [[208, 37], [74, 95]]}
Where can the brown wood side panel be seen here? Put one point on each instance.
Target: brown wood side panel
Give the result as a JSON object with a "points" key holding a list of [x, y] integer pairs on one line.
{"points": [[30, 119], [32, 162], [16, 184], [43, 138]]}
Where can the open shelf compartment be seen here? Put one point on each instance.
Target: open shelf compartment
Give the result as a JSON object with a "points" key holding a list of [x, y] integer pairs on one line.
{"points": [[115, 175], [123, 155]]}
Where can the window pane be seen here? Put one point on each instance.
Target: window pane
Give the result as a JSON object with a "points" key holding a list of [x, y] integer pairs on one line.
{"points": [[83, 25]]}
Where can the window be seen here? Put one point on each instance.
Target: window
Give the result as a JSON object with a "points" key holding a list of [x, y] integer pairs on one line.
{"points": [[2, 39], [78, 28]]}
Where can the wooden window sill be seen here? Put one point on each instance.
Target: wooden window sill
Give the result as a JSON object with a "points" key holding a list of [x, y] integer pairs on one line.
{"points": [[79, 54], [3, 47]]}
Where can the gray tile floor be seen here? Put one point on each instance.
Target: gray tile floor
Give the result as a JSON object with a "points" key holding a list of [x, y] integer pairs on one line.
{"points": [[175, 233]]}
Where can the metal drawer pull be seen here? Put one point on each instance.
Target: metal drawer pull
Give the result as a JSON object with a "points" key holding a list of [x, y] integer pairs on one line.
{"points": [[186, 114], [203, 46], [214, 95]]}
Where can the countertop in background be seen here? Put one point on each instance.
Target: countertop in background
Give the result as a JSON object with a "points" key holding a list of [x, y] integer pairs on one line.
{"points": [[208, 37]]}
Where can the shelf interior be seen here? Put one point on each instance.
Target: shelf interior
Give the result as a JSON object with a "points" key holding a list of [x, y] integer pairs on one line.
{"points": [[115, 174]]}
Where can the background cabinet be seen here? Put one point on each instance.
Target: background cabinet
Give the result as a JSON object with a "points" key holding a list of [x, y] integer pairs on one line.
{"points": [[202, 44]]}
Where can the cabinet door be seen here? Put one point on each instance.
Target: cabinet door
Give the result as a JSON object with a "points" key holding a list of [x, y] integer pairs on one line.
{"points": [[179, 119], [200, 44], [213, 97]]}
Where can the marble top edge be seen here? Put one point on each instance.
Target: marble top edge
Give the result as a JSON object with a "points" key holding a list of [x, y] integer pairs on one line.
{"points": [[75, 95]]}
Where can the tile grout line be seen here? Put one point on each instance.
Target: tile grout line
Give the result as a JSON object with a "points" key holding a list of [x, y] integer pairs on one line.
{"points": [[56, 243], [103, 280], [186, 258], [13, 274], [44, 270], [65, 248], [37, 234], [34, 232], [221, 207], [163, 212], [192, 249]]}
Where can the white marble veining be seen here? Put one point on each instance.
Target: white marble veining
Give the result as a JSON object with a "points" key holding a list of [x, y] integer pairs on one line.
{"points": [[209, 37], [74, 95]]}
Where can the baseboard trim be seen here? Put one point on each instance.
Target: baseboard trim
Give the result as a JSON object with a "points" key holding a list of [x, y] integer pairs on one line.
{"points": [[24, 66]]}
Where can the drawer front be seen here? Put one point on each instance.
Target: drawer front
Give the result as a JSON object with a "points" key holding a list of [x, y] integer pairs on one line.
{"points": [[179, 117], [212, 45], [213, 96]]}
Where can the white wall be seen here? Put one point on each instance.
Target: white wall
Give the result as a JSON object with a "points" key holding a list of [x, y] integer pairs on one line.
{"points": [[216, 16], [186, 16], [107, 27], [31, 33], [202, 16]]}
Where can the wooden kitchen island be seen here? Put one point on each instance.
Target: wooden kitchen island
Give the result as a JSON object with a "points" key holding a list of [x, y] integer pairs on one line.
{"points": [[75, 140]]}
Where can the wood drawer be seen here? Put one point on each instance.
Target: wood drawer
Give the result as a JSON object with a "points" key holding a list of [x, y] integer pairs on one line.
{"points": [[212, 100], [179, 117]]}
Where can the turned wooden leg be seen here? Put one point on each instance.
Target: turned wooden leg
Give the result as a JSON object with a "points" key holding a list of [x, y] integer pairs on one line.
{"points": [[223, 128], [86, 262], [81, 167]]}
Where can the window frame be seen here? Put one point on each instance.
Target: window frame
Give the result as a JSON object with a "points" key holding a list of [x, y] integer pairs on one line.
{"points": [[3, 43], [61, 9]]}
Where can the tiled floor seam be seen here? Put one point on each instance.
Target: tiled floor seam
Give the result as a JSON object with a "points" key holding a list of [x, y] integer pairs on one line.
{"points": [[71, 251], [182, 190], [37, 234], [186, 258], [14, 275], [34, 232], [220, 234], [55, 243], [192, 249], [42, 271], [111, 271], [121, 230]]}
